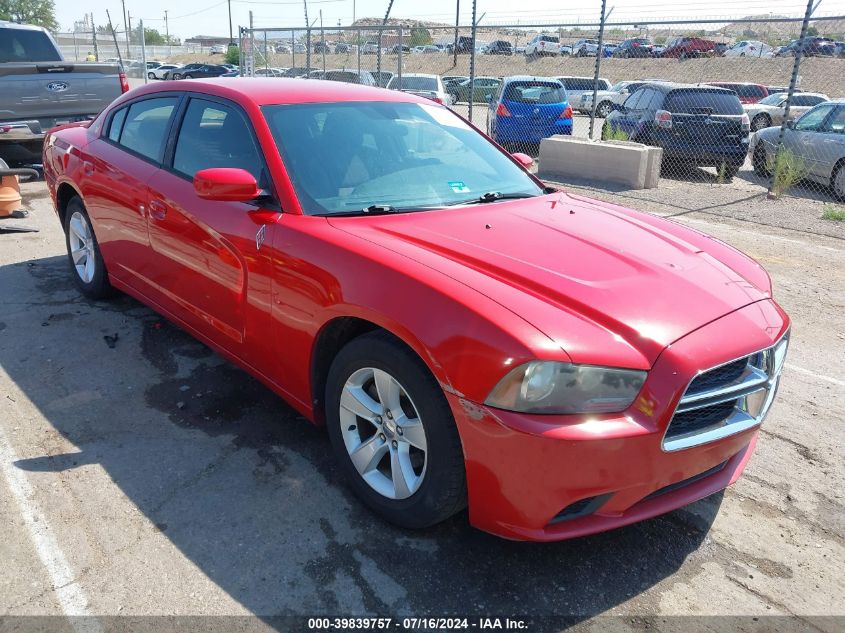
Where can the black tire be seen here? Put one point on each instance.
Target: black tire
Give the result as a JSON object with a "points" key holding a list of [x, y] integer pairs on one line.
{"points": [[761, 121], [760, 161], [176, 76], [442, 491], [839, 194], [603, 109], [98, 287], [189, 76]]}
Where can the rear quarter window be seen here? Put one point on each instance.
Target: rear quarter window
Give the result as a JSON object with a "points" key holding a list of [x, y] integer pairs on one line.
{"points": [[702, 102]]}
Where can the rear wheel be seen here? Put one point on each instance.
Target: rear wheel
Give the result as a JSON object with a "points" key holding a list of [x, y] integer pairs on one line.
{"points": [[151, 75], [603, 109], [760, 121], [393, 432], [730, 171], [83, 251], [189, 76]]}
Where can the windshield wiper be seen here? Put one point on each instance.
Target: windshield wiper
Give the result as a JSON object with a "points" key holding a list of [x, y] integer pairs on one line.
{"points": [[373, 209], [493, 196]]}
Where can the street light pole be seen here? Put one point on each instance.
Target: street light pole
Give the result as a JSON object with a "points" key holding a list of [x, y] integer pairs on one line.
{"points": [[125, 27]]}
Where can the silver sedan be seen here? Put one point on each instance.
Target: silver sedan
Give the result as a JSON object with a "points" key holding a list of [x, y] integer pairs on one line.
{"points": [[817, 138]]}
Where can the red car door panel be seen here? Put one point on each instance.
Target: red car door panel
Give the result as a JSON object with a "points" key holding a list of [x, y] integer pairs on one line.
{"points": [[208, 265]]}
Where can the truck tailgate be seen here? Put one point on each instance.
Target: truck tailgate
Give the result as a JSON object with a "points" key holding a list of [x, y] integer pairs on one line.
{"points": [[56, 92]]}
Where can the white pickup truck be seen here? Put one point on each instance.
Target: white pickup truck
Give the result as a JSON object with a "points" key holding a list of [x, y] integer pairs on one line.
{"points": [[39, 90]]}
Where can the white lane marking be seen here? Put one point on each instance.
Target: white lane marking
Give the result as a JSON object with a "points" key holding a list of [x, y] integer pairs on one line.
{"points": [[808, 372], [757, 234], [69, 593]]}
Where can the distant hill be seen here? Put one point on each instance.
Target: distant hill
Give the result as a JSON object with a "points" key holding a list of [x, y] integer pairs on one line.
{"points": [[763, 28]]}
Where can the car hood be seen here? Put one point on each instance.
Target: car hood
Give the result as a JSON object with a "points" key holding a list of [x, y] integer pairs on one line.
{"points": [[587, 274], [756, 108]]}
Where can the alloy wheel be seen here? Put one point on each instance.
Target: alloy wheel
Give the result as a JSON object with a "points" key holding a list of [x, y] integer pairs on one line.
{"points": [[383, 433], [82, 247]]}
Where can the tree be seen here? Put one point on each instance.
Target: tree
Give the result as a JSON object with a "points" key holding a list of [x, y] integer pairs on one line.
{"points": [[233, 55], [812, 31], [151, 37], [419, 36], [38, 12]]}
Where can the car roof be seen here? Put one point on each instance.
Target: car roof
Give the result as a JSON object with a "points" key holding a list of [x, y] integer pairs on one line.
{"points": [[278, 90], [426, 75], [23, 27], [514, 78], [669, 86]]}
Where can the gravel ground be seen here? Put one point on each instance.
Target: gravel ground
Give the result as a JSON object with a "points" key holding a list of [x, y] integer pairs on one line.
{"points": [[153, 478]]}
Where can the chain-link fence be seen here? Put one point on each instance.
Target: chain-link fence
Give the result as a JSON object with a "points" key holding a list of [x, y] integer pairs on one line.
{"points": [[759, 100]]}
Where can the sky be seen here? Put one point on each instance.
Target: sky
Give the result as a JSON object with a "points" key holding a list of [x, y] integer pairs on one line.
{"points": [[210, 17]]}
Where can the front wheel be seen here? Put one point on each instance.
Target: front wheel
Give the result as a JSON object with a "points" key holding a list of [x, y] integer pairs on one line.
{"points": [[760, 161], [603, 109], [151, 76], [83, 251], [393, 432]]}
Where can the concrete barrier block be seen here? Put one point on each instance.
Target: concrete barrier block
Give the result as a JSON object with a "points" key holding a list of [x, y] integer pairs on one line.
{"points": [[634, 165]]}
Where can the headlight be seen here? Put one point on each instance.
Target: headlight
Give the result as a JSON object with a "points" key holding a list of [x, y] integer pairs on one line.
{"points": [[561, 388]]}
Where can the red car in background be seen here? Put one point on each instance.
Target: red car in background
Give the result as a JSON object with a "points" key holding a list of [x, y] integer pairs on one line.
{"points": [[686, 47], [467, 335], [747, 92]]}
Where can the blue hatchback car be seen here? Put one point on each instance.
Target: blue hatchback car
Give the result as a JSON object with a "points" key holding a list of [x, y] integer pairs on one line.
{"points": [[525, 110]]}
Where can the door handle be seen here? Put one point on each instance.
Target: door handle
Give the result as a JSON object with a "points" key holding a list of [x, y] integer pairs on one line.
{"points": [[158, 210]]}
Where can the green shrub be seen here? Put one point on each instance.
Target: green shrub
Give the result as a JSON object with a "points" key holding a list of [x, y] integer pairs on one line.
{"points": [[233, 55], [788, 169], [832, 212], [611, 133]]}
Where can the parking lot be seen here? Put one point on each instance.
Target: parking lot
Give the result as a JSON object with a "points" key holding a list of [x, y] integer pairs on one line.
{"points": [[142, 475]]}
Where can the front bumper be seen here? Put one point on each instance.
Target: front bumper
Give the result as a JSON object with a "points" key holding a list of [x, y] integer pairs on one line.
{"points": [[524, 470]]}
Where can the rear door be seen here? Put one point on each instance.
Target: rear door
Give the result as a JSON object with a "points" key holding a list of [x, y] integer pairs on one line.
{"points": [[807, 139], [118, 167], [208, 259]]}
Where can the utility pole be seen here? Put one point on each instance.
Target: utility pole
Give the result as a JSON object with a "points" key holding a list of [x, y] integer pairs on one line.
{"points": [[323, 42], [457, 23], [125, 27], [599, 55], [307, 40], [472, 62], [129, 35], [167, 34], [114, 37], [231, 41], [799, 51], [94, 37], [380, 33]]}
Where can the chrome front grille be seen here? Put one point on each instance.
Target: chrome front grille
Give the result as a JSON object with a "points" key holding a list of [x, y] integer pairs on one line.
{"points": [[727, 399]]}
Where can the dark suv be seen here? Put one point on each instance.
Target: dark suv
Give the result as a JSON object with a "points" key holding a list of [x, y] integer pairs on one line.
{"points": [[635, 47], [811, 46], [695, 125]]}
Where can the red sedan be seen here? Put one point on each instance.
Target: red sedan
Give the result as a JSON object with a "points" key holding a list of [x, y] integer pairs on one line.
{"points": [[468, 336]]}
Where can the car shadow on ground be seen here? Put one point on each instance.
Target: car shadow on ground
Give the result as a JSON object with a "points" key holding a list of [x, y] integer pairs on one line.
{"points": [[248, 491]]}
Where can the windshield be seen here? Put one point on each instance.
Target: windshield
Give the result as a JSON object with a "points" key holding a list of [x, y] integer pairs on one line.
{"points": [[344, 157], [775, 99], [691, 101], [413, 83]]}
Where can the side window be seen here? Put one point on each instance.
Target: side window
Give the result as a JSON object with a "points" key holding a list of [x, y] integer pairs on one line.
{"points": [[814, 118], [836, 123], [649, 100], [146, 125], [214, 135], [116, 124]]}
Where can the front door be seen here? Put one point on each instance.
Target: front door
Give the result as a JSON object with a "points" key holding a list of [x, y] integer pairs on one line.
{"points": [[210, 269]]}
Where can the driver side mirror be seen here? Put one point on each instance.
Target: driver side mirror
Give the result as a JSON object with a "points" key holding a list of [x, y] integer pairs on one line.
{"points": [[790, 124], [523, 159], [618, 107], [226, 184]]}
